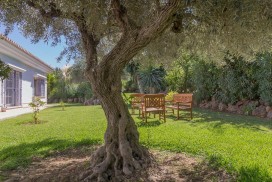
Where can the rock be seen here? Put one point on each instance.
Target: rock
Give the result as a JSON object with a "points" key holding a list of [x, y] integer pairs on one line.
{"points": [[202, 104], [240, 103], [245, 102], [260, 111], [232, 108], [208, 105], [222, 107], [75, 100], [254, 103], [96, 102], [213, 99], [214, 104], [88, 102], [70, 100], [262, 102], [269, 114], [268, 108], [240, 110]]}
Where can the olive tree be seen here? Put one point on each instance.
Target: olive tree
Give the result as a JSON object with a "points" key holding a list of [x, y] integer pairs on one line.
{"points": [[111, 32]]}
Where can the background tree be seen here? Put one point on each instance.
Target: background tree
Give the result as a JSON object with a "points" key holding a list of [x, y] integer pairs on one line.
{"points": [[180, 73], [126, 27], [133, 69], [69, 82], [4, 70], [153, 79]]}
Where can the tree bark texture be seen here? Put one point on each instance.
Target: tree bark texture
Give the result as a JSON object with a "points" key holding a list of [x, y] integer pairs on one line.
{"points": [[121, 155]]}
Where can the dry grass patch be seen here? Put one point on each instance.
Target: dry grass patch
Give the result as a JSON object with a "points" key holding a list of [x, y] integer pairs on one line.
{"points": [[70, 164]]}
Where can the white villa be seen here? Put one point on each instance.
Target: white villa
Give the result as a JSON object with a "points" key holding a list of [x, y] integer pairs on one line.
{"points": [[27, 78]]}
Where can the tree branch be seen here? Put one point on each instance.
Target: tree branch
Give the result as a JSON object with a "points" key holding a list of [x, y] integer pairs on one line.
{"points": [[128, 46], [89, 40], [121, 16], [54, 12], [158, 5]]}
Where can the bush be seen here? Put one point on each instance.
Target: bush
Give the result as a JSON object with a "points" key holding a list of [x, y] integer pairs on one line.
{"points": [[263, 75], [175, 79], [84, 90], [62, 105], [204, 80], [179, 78], [236, 80], [35, 105], [233, 81], [131, 86], [170, 95]]}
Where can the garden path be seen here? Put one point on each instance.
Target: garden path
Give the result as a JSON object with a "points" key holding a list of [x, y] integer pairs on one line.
{"points": [[13, 112]]}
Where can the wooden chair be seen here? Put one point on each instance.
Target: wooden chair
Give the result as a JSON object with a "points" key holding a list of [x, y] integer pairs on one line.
{"points": [[182, 102], [153, 103], [136, 102]]}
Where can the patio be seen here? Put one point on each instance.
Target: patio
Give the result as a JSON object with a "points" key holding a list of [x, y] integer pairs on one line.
{"points": [[13, 112]]}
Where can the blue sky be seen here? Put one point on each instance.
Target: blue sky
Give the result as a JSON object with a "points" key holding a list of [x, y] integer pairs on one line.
{"points": [[41, 50]]}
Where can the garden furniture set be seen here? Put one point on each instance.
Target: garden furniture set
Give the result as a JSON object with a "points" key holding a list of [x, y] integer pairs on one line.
{"points": [[156, 104]]}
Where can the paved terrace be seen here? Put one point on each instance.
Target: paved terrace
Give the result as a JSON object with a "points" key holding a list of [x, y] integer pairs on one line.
{"points": [[10, 113]]}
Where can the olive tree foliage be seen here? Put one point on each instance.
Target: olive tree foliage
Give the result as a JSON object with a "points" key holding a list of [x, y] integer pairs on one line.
{"points": [[111, 32]]}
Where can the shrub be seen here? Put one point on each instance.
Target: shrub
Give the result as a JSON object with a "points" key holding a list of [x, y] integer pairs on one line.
{"points": [[84, 90], [204, 80], [263, 76], [62, 105], [179, 77], [236, 81], [131, 86], [35, 105], [175, 79], [170, 95]]}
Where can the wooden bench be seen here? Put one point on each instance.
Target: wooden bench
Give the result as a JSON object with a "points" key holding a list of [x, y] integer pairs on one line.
{"points": [[182, 102], [153, 103], [136, 102]]}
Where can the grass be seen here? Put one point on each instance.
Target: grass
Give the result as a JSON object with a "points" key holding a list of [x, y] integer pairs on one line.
{"points": [[240, 144]]}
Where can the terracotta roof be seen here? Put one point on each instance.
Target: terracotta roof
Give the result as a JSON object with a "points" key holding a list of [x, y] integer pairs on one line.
{"points": [[22, 49]]}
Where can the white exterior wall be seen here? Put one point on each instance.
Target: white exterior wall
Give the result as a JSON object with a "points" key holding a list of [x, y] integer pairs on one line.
{"points": [[27, 79]]}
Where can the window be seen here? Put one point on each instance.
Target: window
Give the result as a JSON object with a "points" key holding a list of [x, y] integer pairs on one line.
{"points": [[39, 87]]}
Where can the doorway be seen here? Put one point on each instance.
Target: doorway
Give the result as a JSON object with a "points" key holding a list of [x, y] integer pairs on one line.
{"points": [[13, 89]]}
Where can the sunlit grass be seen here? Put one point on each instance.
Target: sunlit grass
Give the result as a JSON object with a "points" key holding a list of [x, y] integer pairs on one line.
{"points": [[241, 144]]}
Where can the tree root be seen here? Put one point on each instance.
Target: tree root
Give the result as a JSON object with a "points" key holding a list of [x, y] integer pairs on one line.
{"points": [[113, 164]]}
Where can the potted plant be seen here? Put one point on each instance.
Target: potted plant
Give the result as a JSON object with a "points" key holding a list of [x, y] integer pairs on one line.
{"points": [[3, 108]]}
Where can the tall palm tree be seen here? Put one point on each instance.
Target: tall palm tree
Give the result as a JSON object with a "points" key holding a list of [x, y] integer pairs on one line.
{"points": [[133, 69], [153, 78]]}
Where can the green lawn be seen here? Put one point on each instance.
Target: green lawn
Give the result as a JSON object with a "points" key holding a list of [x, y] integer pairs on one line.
{"points": [[241, 144]]}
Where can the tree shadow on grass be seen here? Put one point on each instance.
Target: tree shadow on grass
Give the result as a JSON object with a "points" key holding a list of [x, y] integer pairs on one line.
{"points": [[253, 174], [22, 155], [249, 174], [68, 105], [183, 115], [147, 124], [220, 118], [31, 122]]}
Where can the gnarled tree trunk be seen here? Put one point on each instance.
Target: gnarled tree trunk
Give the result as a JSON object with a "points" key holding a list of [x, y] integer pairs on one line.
{"points": [[121, 155]]}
